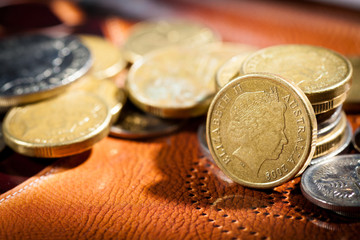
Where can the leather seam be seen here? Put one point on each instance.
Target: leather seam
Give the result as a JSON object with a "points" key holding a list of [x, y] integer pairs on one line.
{"points": [[31, 184]]}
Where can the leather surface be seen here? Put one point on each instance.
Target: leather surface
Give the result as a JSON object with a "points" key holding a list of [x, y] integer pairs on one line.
{"points": [[164, 188]]}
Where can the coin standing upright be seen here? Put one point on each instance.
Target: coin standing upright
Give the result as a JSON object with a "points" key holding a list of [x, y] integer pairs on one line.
{"points": [[261, 130]]}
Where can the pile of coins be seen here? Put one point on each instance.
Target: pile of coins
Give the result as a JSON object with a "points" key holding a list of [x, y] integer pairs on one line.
{"points": [[58, 99], [270, 112]]}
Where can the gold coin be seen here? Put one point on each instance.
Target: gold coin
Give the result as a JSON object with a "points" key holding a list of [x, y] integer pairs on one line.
{"points": [[107, 58], [230, 69], [261, 130], [352, 101], [321, 73], [176, 82], [58, 127], [113, 96], [330, 141], [152, 35]]}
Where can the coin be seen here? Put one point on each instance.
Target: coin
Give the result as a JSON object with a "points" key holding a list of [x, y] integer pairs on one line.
{"points": [[261, 130], [107, 58], [201, 134], [324, 75], [334, 184], [35, 67], [68, 124], [356, 139], [176, 82], [339, 148], [113, 96], [230, 69], [326, 143], [353, 99], [136, 124], [148, 36], [328, 122]]}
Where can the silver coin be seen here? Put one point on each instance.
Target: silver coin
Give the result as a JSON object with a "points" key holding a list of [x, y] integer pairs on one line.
{"points": [[334, 184], [326, 125], [136, 124], [343, 146], [34, 67], [201, 134]]}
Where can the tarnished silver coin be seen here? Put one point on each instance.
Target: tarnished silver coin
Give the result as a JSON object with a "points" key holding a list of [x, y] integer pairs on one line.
{"points": [[341, 147], [136, 124], [334, 184], [201, 134], [35, 67]]}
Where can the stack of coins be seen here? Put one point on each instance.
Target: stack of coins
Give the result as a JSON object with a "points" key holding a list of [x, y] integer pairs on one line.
{"points": [[57, 94], [324, 76]]}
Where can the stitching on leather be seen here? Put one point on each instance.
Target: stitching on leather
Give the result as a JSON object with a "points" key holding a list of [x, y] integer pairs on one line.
{"points": [[202, 187], [42, 177]]}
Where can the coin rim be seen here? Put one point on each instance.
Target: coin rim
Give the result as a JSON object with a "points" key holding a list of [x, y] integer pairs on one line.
{"points": [[343, 146], [309, 112], [335, 136]]}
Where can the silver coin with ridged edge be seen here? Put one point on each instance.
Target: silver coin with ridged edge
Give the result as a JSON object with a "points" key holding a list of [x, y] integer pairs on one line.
{"points": [[334, 184], [35, 67]]}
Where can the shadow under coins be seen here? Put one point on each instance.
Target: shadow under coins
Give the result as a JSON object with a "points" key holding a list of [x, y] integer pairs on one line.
{"points": [[16, 168], [189, 178]]}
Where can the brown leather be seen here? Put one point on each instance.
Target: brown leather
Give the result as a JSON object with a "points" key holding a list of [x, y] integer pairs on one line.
{"points": [[164, 188]]}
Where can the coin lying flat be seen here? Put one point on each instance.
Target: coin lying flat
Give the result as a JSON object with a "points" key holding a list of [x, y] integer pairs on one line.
{"points": [[107, 58], [36, 67], [176, 82], [68, 124], [113, 96], [152, 35], [136, 124], [231, 69], [334, 184], [322, 74], [261, 130]]}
